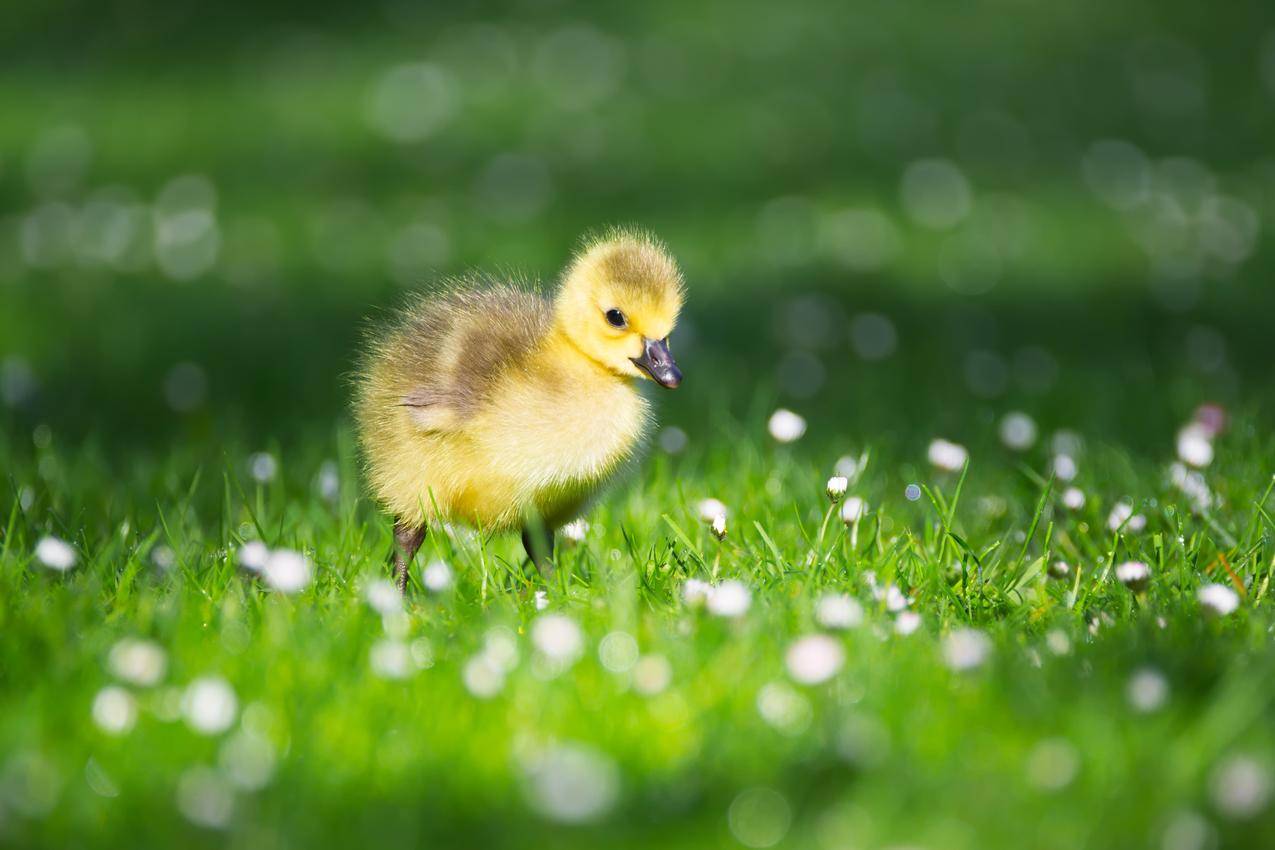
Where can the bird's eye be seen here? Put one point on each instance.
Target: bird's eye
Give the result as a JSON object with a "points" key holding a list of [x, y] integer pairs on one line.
{"points": [[616, 319]]}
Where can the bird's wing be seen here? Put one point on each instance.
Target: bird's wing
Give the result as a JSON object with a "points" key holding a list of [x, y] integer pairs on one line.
{"points": [[483, 333], [432, 410]]}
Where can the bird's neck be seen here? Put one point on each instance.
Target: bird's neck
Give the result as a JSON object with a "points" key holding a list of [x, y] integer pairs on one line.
{"points": [[560, 349]]}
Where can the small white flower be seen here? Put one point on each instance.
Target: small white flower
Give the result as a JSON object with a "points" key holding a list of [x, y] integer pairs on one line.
{"points": [[837, 486], [437, 576], [571, 783], [853, 510], [383, 596], [1147, 690], [1192, 485], [966, 649], [1195, 446], [1058, 642], [139, 662], [55, 554], [1065, 468], [287, 571], [947, 456], [575, 531], [709, 510], [391, 659], [210, 705], [786, 426], [542, 600], [652, 674], [114, 710], [838, 611], [1122, 515], [1073, 498], [1059, 569], [328, 481], [253, 556], [558, 637], [263, 467], [1241, 787], [895, 601], [718, 527], [731, 598], [907, 622], [1218, 600], [814, 659], [1134, 575], [695, 591], [482, 678], [1018, 431]]}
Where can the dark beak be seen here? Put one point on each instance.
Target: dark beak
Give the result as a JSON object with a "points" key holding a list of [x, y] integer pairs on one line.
{"points": [[657, 362]]}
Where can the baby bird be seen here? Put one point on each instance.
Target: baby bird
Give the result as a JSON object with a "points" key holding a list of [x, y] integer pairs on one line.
{"points": [[493, 406]]}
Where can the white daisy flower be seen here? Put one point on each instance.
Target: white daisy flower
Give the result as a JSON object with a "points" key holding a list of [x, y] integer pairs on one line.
{"points": [[55, 554], [253, 556], [1018, 431], [853, 510], [814, 659], [837, 486], [558, 637], [709, 510], [731, 598], [1065, 468], [907, 622], [138, 662], [1147, 690], [718, 527], [114, 710], [383, 596], [1218, 600], [391, 659], [786, 426], [575, 531], [287, 571], [1134, 575], [1241, 787], [1073, 498], [437, 576], [947, 456], [209, 705], [263, 467], [695, 591], [838, 611], [1195, 447], [966, 649], [1122, 515]]}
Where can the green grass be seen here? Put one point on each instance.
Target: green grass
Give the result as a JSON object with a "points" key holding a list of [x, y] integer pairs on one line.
{"points": [[895, 748]]}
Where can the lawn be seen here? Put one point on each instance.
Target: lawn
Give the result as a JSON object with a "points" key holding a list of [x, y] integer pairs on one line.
{"points": [[1006, 274]]}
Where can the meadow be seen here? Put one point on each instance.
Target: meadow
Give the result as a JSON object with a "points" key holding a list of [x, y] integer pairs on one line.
{"points": [[957, 535]]}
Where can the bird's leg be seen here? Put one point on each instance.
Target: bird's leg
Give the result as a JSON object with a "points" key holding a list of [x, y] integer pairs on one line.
{"points": [[538, 541], [407, 540]]}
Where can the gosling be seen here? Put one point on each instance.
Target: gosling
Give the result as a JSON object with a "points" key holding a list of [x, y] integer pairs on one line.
{"points": [[489, 405]]}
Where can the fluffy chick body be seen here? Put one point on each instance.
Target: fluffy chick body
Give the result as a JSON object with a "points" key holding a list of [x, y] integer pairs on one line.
{"points": [[489, 403]]}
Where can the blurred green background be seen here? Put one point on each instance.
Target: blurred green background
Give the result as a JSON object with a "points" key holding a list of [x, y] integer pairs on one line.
{"points": [[200, 205]]}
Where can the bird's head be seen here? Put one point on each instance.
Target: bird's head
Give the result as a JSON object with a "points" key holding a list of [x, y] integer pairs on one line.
{"points": [[619, 301]]}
